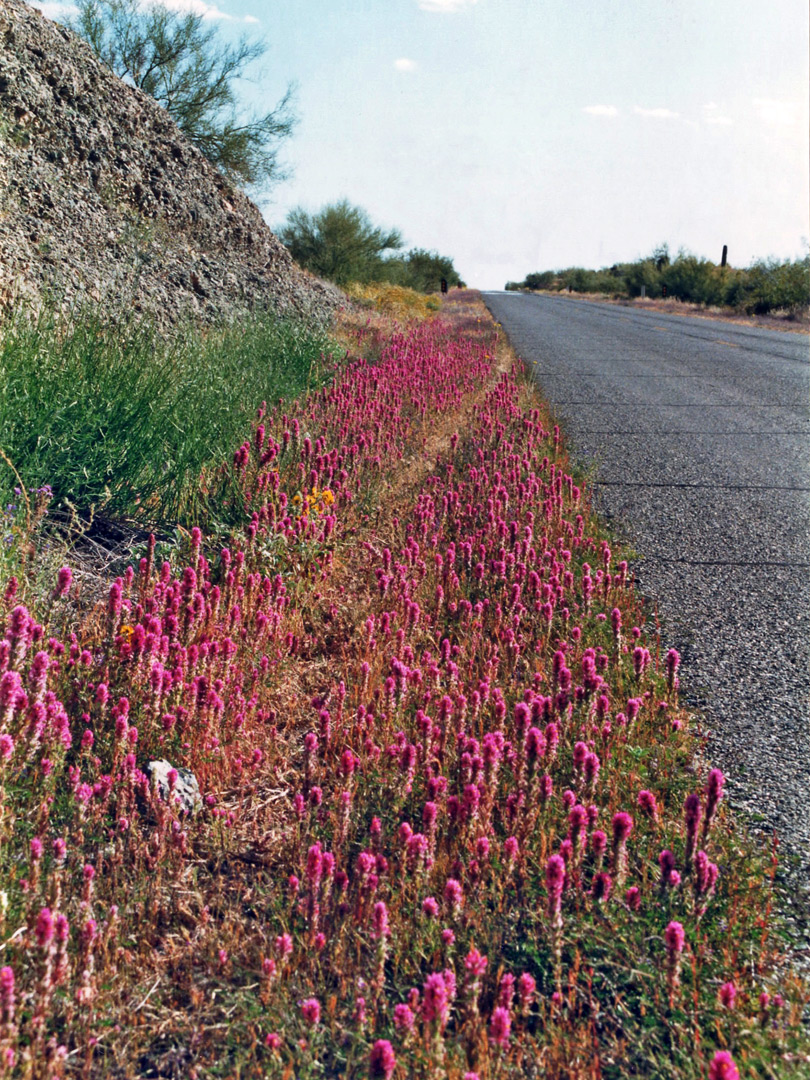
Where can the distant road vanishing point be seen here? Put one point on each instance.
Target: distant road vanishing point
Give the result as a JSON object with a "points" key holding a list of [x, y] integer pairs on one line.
{"points": [[699, 431]]}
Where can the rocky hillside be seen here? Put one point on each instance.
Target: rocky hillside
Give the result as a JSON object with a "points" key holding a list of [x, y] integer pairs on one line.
{"points": [[102, 198]]}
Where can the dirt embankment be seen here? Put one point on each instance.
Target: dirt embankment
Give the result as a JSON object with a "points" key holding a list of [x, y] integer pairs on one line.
{"points": [[103, 199]]}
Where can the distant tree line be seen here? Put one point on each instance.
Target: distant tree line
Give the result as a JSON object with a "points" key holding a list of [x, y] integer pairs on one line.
{"points": [[339, 242], [766, 285]]}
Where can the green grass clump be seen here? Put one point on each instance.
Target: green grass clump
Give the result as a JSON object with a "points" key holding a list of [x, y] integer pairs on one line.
{"points": [[121, 417]]}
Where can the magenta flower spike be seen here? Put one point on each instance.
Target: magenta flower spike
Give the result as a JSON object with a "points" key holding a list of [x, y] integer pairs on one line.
{"points": [[648, 805], [714, 793], [674, 939], [622, 827], [692, 812], [382, 1060], [311, 1011], [722, 1067], [499, 1026]]}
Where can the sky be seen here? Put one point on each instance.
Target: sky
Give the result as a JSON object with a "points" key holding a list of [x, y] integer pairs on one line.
{"points": [[526, 135]]}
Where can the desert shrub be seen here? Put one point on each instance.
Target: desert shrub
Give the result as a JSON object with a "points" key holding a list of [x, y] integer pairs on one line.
{"points": [[644, 273], [397, 301], [693, 280], [773, 285]]}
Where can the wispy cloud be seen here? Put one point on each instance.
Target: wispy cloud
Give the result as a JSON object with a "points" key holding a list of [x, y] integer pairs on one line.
{"points": [[446, 7], [56, 10], [404, 64], [656, 114], [601, 110], [712, 114], [197, 7], [63, 9]]}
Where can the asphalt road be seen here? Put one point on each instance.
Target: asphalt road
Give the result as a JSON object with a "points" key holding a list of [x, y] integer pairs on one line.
{"points": [[699, 432]]}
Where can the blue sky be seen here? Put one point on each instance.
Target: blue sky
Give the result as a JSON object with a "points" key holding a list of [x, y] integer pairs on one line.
{"points": [[521, 135]]}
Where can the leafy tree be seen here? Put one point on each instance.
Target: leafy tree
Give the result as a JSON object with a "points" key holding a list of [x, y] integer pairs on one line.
{"points": [[177, 60], [339, 242]]}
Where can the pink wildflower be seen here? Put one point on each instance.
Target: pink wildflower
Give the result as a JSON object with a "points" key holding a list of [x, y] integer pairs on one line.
{"points": [[705, 874], [475, 963], [7, 998], [527, 988], [403, 1017], [44, 928], [674, 939], [435, 1001], [311, 1011], [64, 579], [714, 793], [380, 921], [722, 1067], [359, 1015], [284, 945], [454, 896], [598, 844], [633, 898], [511, 849], [506, 991], [382, 1060], [648, 805], [499, 1026], [728, 995], [666, 860], [602, 887], [622, 827], [692, 813], [673, 661], [555, 879]]}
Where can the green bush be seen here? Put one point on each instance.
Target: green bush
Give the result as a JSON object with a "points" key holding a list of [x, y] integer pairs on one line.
{"points": [[643, 274], [693, 280], [773, 285]]}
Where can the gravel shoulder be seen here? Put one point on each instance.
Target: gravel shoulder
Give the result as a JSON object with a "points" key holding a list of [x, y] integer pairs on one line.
{"points": [[784, 323]]}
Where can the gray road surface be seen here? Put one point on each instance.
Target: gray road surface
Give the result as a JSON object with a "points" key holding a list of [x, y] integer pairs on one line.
{"points": [[700, 435]]}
